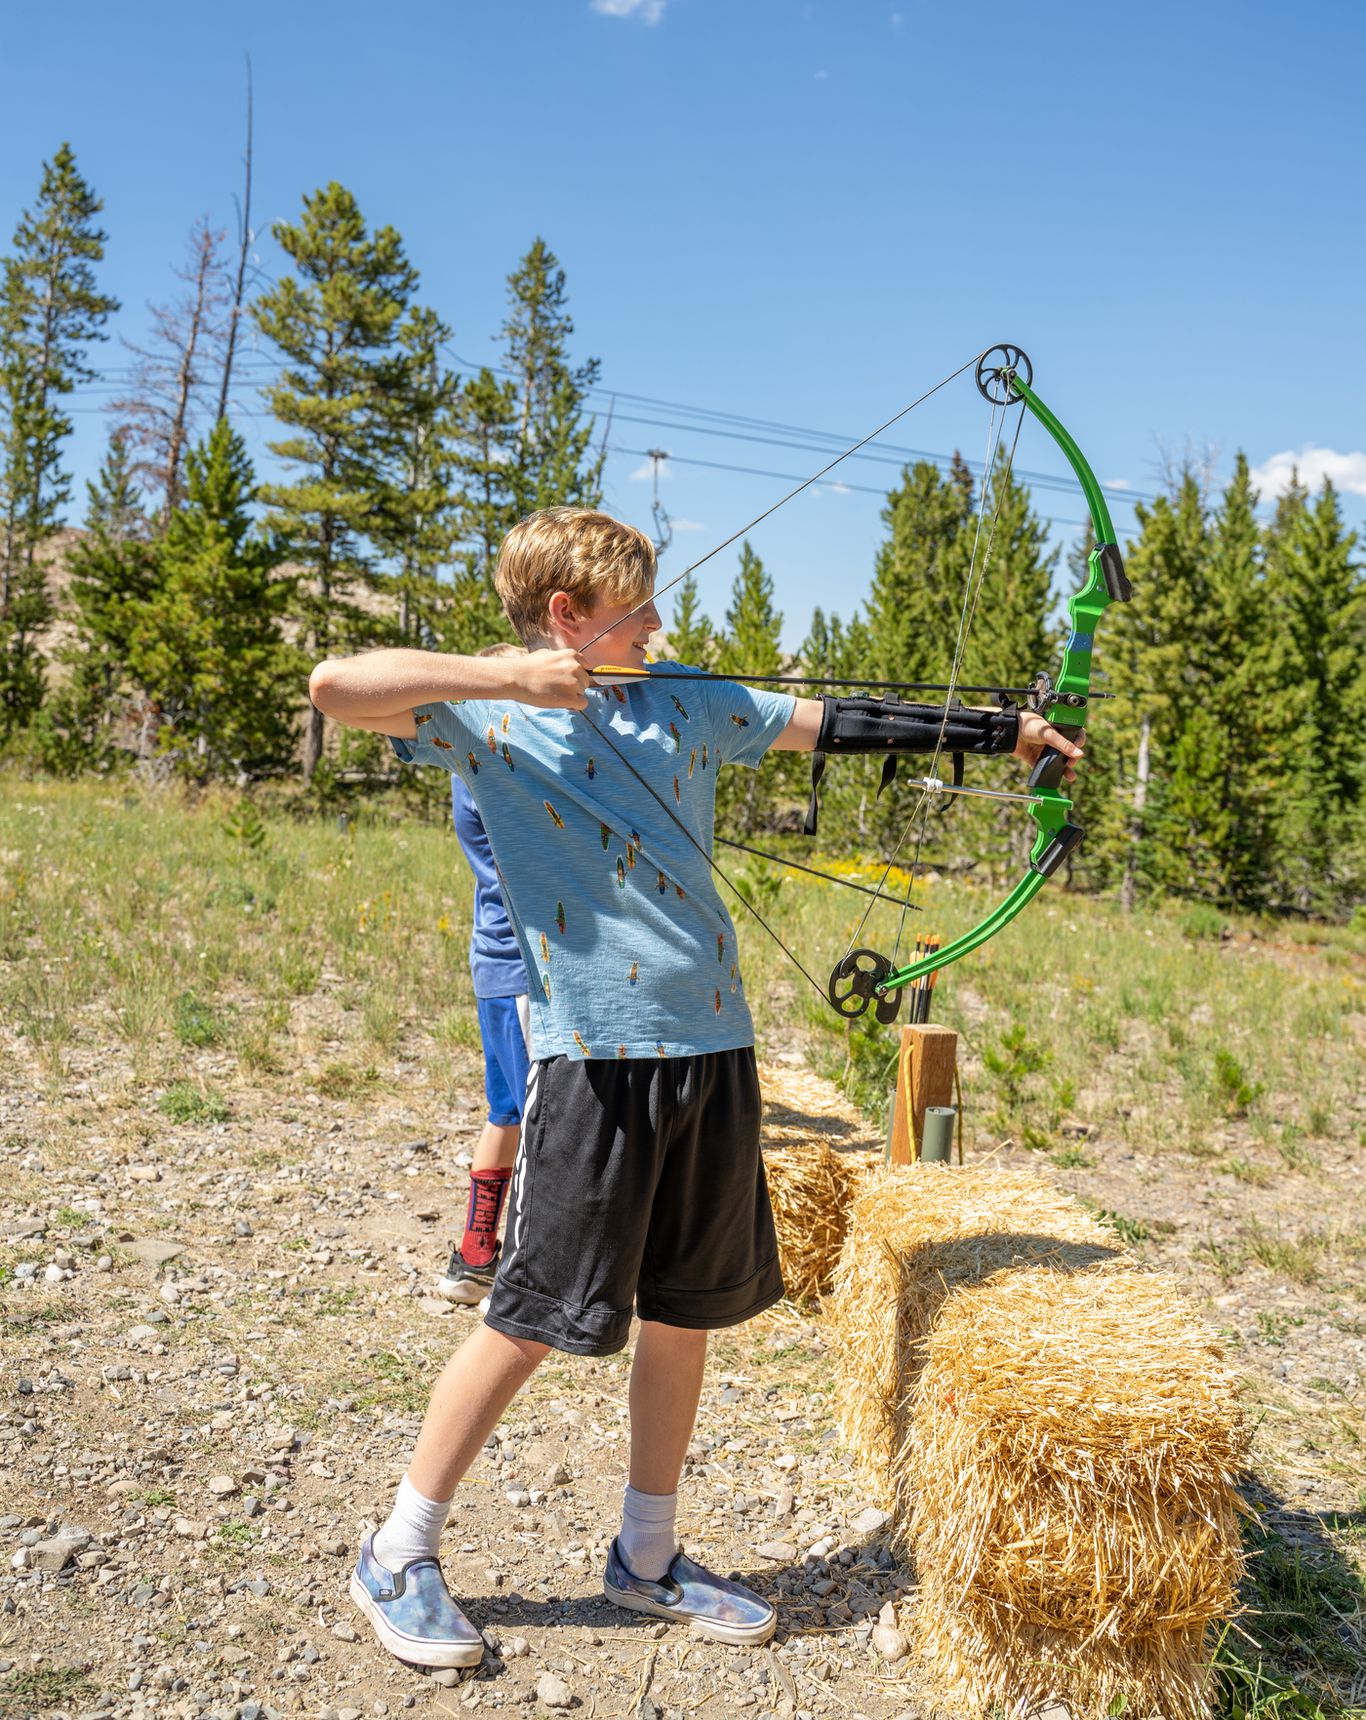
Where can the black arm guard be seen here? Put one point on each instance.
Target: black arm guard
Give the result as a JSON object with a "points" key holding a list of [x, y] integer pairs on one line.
{"points": [[888, 725]]}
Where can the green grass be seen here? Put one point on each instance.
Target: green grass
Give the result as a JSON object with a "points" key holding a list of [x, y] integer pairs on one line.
{"points": [[236, 1535], [147, 906], [1292, 1657], [40, 1689], [197, 1023], [186, 1102]]}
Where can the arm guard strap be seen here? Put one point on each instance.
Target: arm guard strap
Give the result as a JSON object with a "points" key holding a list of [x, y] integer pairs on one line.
{"points": [[892, 727], [889, 725]]}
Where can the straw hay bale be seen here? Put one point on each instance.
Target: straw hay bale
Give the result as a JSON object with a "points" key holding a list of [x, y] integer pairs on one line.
{"points": [[915, 1235], [815, 1163], [1070, 1485], [811, 1188], [1057, 1435]]}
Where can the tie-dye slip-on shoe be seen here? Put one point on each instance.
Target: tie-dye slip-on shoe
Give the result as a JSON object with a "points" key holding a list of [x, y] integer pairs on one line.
{"points": [[413, 1613], [691, 1593]]}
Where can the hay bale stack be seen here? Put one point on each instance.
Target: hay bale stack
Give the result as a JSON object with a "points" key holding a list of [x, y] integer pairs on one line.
{"points": [[917, 1234], [1061, 1440], [811, 1188], [816, 1155]]}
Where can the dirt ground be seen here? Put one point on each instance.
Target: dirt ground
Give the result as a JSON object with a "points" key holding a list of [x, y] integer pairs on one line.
{"points": [[217, 1346]]}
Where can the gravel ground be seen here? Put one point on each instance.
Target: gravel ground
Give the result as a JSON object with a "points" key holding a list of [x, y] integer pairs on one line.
{"points": [[217, 1346]]}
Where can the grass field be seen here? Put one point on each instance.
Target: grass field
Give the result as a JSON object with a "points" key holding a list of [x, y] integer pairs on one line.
{"points": [[171, 964]]}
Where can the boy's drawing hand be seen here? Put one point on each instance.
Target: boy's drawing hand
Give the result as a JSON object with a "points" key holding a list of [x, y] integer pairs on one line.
{"points": [[1036, 733], [554, 680]]}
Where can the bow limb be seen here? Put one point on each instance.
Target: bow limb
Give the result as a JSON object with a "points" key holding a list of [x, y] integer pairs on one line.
{"points": [[1055, 840]]}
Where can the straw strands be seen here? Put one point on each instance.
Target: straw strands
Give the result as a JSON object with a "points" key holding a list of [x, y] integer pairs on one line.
{"points": [[811, 1188], [1058, 1437], [811, 1184], [917, 1234]]}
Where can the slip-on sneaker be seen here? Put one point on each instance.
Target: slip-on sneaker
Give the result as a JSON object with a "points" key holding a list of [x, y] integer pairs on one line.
{"points": [[689, 1592], [412, 1611]]}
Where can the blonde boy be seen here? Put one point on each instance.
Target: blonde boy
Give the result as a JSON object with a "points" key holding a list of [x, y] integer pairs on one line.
{"points": [[638, 1185]]}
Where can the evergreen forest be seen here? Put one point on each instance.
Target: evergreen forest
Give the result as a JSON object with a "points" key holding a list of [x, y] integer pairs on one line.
{"points": [[165, 622]]}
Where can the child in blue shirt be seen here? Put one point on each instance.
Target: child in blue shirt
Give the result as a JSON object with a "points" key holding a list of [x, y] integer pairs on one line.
{"points": [[498, 974], [639, 1185]]}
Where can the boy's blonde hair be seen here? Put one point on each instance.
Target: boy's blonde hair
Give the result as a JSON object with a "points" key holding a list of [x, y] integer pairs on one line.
{"points": [[587, 554], [503, 648]]}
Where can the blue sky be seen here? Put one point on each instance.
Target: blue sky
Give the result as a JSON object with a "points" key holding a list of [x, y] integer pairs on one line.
{"points": [[804, 213]]}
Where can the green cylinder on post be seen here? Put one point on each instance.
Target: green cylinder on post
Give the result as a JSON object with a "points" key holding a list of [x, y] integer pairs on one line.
{"points": [[936, 1135]]}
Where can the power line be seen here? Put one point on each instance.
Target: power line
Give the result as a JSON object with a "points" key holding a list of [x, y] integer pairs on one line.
{"points": [[792, 477], [699, 420], [770, 430]]}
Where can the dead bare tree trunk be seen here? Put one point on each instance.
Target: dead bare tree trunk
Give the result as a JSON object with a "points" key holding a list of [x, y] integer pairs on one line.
{"points": [[244, 238], [1129, 887], [205, 266], [167, 380]]}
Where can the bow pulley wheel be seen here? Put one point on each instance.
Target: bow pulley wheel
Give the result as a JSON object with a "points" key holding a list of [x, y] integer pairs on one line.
{"points": [[864, 971], [997, 368]]}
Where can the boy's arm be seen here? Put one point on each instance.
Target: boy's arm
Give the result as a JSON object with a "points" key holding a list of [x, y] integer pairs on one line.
{"points": [[1035, 733], [379, 689]]}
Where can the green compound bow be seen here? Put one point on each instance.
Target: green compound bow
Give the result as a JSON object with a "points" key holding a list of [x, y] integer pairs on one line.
{"points": [[863, 977]]}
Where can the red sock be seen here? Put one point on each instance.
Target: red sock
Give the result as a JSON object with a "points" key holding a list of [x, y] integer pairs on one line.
{"points": [[487, 1192]]}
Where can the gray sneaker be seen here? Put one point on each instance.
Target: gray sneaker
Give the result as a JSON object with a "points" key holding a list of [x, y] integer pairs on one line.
{"points": [[691, 1593]]}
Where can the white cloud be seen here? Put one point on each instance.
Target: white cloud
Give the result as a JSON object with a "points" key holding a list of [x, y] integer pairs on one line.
{"points": [[1347, 471], [648, 11], [643, 474], [1117, 484], [686, 525], [836, 488]]}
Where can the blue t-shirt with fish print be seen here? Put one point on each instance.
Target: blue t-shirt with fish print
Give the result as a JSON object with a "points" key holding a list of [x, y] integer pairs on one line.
{"points": [[629, 947]]}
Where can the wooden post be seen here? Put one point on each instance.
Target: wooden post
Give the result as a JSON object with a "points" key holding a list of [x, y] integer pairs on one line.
{"points": [[924, 1076]]}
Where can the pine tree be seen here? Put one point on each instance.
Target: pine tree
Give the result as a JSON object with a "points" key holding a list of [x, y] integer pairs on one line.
{"points": [[1151, 665], [918, 580], [336, 320], [483, 463], [1219, 768], [690, 635], [750, 646], [50, 313], [92, 715], [208, 646], [1008, 637], [1316, 600], [555, 466], [417, 532]]}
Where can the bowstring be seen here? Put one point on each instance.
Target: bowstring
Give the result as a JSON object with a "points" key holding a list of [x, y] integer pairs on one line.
{"points": [[971, 595], [920, 809], [975, 580]]}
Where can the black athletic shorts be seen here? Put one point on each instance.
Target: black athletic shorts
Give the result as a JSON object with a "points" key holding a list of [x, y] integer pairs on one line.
{"points": [[638, 1183]]}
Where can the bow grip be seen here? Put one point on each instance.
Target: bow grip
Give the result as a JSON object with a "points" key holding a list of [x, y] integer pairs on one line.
{"points": [[1047, 772]]}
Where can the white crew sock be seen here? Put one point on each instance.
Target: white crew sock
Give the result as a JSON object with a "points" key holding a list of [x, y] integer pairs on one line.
{"points": [[648, 1541], [413, 1529]]}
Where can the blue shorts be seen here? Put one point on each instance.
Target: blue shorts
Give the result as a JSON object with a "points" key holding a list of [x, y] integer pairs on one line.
{"points": [[503, 1029]]}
